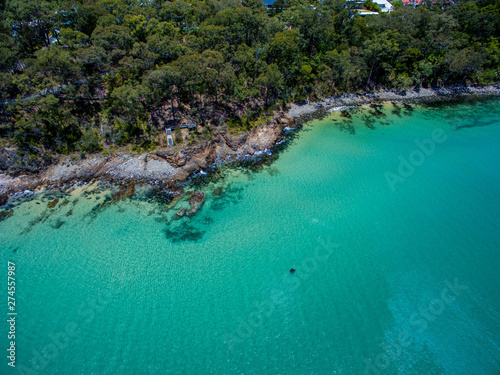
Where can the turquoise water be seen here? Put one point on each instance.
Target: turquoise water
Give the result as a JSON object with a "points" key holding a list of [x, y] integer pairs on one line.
{"points": [[396, 273]]}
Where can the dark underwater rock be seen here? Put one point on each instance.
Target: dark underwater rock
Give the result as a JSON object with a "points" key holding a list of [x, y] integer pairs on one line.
{"points": [[184, 233], [53, 203], [3, 199], [180, 213], [126, 191], [173, 188], [58, 224], [408, 107], [345, 114], [6, 214], [196, 201], [218, 192]]}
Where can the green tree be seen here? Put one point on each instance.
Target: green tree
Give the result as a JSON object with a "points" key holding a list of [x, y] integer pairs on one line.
{"points": [[270, 83]]}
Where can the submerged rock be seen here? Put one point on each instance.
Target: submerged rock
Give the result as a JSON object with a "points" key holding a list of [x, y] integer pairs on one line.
{"points": [[126, 191], [53, 203], [408, 107], [345, 113], [173, 191], [218, 192], [184, 233], [3, 199], [273, 171], [396, 110], [6, 214], [346, 125], [58, 224], [173, 188], [196, 201], [180, 213]]}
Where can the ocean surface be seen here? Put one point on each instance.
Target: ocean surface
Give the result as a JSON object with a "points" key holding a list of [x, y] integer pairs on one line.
{"points": [[389, 216]]}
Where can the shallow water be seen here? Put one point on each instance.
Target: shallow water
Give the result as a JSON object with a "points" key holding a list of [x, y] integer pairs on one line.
{"points": [[396, 271]]}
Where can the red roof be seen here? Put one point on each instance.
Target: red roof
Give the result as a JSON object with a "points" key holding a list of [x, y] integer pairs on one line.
{"points": [[419, 2]]}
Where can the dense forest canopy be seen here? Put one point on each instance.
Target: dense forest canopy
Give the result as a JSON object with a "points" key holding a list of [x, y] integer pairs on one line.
{"points": [[77, 75]]}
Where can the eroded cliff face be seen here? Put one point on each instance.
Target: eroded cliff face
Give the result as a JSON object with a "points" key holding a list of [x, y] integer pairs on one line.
{"points": [[161, 165]]}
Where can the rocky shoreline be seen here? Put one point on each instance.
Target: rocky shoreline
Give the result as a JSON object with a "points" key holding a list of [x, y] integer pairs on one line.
{"points": [[347, 100], [171, 165], [161, 167]]}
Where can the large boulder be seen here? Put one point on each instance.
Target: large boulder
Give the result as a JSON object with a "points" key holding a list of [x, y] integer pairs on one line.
{"points": [[263, 137], [286, 120], [175, 159], [196, 201]]}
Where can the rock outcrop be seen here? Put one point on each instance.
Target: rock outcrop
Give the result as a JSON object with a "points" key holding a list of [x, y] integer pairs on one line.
{"points": [[196, 201], [126, 191]]}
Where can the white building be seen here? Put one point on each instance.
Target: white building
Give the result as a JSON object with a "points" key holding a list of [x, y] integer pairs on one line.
{"points": [[384, 5]]}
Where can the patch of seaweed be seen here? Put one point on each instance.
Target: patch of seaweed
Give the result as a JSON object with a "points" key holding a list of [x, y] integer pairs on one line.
{"points": [[345, 113], [183, 233], [369, 122], [376, 113], [446, 101], [162, 218], [37, 220], [200, 180], [159, 196], [230, 196], [385, 122], [408, 107], [396, 110], [273, 171], [126, 191], [376, 106], [219, 192], [476, 124], [347, 126], [58, 224], [53, 196], [91, 192], [53, 204], [99, 208], [6, 214]]}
